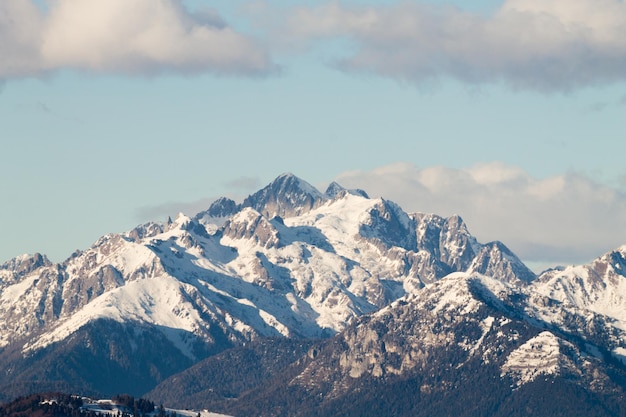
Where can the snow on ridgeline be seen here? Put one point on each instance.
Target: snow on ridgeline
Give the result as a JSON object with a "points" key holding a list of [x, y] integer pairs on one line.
{"points": [[599, 287], [333, 257], [155, 301]]}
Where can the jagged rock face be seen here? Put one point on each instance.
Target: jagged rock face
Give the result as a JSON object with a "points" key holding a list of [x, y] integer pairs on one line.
{"points": [[293, 262], [251, 225], [145, 231], [31, 305], [286, 196], [334, 191], [110, 263], [453, 340], [222, 207], [22, 265], [428, 233], [402, 337], [457, 246], [388, 224], [217, 214], [79, 292], [496, 260], [597, 288], [339, 255], [447, 240]]}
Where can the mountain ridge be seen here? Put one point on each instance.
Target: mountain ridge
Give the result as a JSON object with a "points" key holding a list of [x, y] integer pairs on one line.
{"points": [[295, 263]]}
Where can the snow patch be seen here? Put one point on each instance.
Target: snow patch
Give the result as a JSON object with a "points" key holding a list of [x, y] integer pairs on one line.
{"points": [[538, 356], [109, 408]]}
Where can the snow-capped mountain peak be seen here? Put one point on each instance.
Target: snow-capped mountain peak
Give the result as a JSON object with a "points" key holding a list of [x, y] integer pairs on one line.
{"points": [[286, 196], [24, 264], [334, 190], [290, 261]]}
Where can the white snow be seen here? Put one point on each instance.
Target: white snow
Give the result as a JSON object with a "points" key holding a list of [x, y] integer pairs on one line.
{"points": [[110, 408], [320, 276], [538, 356], [485, 325], [153, 301], [589, 290], [17, 290], [455, 294]]}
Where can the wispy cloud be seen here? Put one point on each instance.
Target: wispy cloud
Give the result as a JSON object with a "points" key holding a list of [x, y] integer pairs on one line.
{"points": [[160, 212], [244, 184], [562, 219], [238, 189], [129, 37], [544, 45]]}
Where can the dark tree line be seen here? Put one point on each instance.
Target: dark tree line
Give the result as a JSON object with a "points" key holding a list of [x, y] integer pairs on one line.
{"points": [[63, 405]]}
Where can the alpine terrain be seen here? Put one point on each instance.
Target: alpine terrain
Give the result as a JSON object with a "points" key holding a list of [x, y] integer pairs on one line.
{"points": [[299, 302]]}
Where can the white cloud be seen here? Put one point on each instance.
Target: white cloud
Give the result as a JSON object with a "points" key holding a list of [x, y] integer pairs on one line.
{"points": [[21, 24], [121, 36], [546, 45], [558, 220], [160, 212], [250, 184], [241, 187]]}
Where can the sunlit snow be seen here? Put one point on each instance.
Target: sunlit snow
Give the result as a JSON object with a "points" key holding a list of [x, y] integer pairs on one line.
{"points": [[538, 356]]}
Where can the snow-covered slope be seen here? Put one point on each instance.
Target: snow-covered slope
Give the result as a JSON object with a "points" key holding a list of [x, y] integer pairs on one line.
{"points": [[244, 271], [291, 261], [438, 351], [599, 287]]}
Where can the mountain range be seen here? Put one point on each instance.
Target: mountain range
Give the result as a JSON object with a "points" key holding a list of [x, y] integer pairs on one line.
{"points": [[302, 302]]}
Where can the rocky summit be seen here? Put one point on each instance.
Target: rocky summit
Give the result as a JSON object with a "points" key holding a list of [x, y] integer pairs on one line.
{"points": [[302, 302]]}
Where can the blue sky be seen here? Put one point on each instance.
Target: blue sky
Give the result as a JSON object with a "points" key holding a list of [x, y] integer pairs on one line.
{"points": [[509, 113]]}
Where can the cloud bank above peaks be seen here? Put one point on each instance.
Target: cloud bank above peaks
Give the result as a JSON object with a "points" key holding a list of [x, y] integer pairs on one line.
{"points": [[541, 45], [564, 219], [121, 36]]}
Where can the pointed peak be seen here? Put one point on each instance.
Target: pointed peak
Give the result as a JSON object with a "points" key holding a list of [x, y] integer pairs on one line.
{"points": [[286, 196], [181, 221], [499, 246], [249, 224], [222, 207], [497, 260], [286, 176], [359, 192], [616, 259], [26, 263], [618, 251], [455, 219], [456, 223], [290, 182], [335, 190]]}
